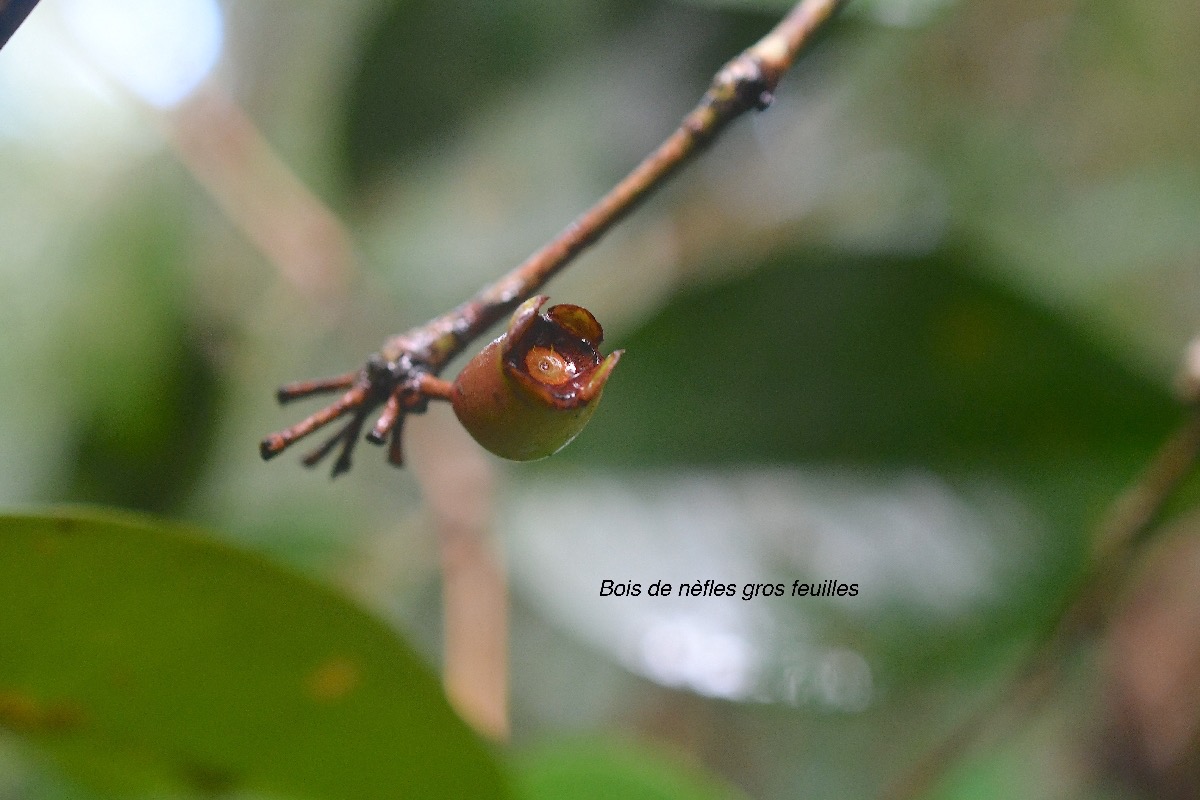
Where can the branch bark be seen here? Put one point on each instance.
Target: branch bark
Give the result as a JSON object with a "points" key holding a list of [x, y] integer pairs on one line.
{"points": [[397, 377], [12, 14]]}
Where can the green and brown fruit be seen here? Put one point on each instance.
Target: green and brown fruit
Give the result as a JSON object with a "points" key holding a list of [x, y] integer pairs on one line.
{"points": [[530, 392]]}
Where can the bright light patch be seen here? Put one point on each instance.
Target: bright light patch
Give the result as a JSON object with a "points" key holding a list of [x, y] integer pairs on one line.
{"points": [[159, 49], [693, 652]]}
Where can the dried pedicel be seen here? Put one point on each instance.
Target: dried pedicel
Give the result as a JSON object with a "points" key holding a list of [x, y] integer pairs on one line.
{"points": [[527, 394]]}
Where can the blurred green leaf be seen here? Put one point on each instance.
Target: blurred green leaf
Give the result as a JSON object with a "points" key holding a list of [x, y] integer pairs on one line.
{"points": [[143, 657], [142, 378], [606, 770], [881, 362], [421, 77]]}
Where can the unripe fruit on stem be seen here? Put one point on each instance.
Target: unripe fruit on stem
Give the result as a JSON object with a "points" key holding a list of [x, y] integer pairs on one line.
{"points": [[527, 394]]}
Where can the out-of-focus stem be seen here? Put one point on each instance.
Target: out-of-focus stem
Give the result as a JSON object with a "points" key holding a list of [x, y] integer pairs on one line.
{"points": [[296, 232], [1121, 536], [458, 485]]}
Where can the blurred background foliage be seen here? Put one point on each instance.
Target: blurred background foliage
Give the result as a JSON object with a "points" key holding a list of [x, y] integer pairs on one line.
{"points": [[913, 328]]}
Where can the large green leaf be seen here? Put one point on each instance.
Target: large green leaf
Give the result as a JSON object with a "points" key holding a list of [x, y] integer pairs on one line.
{"points": [[144, 657]]}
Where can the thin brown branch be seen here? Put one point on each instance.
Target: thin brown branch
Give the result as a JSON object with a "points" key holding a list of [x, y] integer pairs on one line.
{"points": [[435, 388], [318, 455], [412, 358], [276, 443], [395, 455], [747, 82], [12, 14], [302, 389], [387, 420], [1119, 539], [1140, 506]]}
